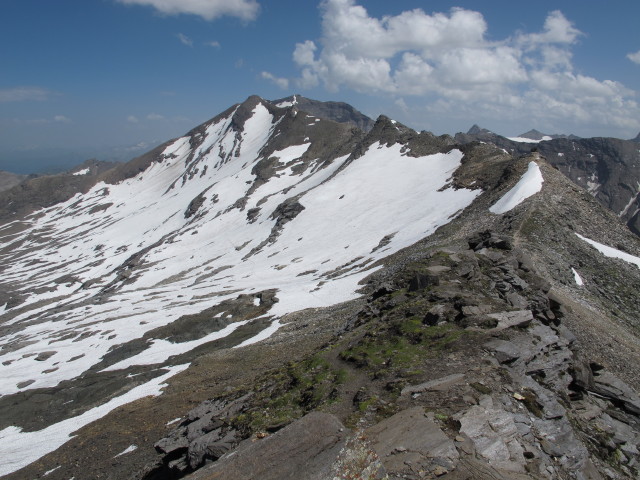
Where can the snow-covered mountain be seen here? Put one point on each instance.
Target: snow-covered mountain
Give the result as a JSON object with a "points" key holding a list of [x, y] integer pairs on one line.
{"points": [[260, 199], [216, 240]]}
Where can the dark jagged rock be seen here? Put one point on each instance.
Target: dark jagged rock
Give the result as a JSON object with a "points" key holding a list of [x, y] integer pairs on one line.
{"points": [[336, 111], [194, 205], [488, 239]]}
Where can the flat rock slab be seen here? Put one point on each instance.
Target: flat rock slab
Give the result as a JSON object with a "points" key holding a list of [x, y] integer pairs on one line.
{"points": [[308, 448], [437, 385], [610, 386], [518, 318], [410, 442], [504, 351], [494, 434]]}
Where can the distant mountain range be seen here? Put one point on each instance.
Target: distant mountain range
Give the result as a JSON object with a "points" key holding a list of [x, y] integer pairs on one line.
{"points": [[292, 290], [608, 168]]}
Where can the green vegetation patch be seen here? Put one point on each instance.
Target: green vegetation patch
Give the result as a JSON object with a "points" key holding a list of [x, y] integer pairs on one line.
{"points": [[401, 345], [289, 393]]}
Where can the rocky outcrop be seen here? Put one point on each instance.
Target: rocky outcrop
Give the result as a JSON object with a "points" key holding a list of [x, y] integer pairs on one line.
{"points": [[205, 435], [471, 374], [308, 448], [336, 111]]}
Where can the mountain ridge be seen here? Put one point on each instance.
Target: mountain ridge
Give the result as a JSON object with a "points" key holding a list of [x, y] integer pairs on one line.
{"points": [[299, 264]]}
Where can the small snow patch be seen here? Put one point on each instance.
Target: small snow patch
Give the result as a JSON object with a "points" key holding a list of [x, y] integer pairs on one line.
{"points": [[577, 277], [289, 103], [529, 184], [49, 472], [129, 449], [84, 171], [612, 252], [175, 420]]}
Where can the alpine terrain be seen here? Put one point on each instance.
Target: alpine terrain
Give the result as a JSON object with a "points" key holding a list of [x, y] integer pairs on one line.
{"points": [[292, 290]]}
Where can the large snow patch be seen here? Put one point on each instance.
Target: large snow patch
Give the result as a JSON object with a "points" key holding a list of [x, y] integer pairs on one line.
{"points": [[528, 185]]}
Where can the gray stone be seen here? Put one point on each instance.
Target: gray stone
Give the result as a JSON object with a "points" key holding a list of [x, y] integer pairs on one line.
{"points": [[437, 385], [425, 445], [518, 318], [210, 447], [504, 351], [516, 300], [308, 448], [610, 386], [494, 434]]}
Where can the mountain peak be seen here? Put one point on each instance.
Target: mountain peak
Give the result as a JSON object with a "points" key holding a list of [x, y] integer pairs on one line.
{"points": [[336, 111], [477, 130], [534, 134]]}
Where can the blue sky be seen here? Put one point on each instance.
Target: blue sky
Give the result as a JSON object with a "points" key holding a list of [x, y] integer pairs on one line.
{"points": [[112, 78]]}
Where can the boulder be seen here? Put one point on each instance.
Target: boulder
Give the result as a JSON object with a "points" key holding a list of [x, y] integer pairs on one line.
{"points": [[610, 386], [518, 318], [504, 351], [410, 442], [308, 448]]}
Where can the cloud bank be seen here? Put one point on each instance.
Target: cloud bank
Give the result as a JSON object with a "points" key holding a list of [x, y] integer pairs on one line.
{"points": [[447, 59], [207, 9]]}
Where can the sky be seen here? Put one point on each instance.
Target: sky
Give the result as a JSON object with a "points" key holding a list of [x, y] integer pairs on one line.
{"points": [[110, 79]]}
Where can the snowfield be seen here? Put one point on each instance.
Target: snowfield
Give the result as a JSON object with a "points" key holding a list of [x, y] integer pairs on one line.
{"points": [[529, 184], [529, 140], [106, 267]]}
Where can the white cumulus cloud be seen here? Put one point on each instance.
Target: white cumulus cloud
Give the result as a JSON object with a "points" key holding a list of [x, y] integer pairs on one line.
{"points": [[207, 9], [184, 39], [449, 61], [283, 83], [634, 57], [61, 119]]}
